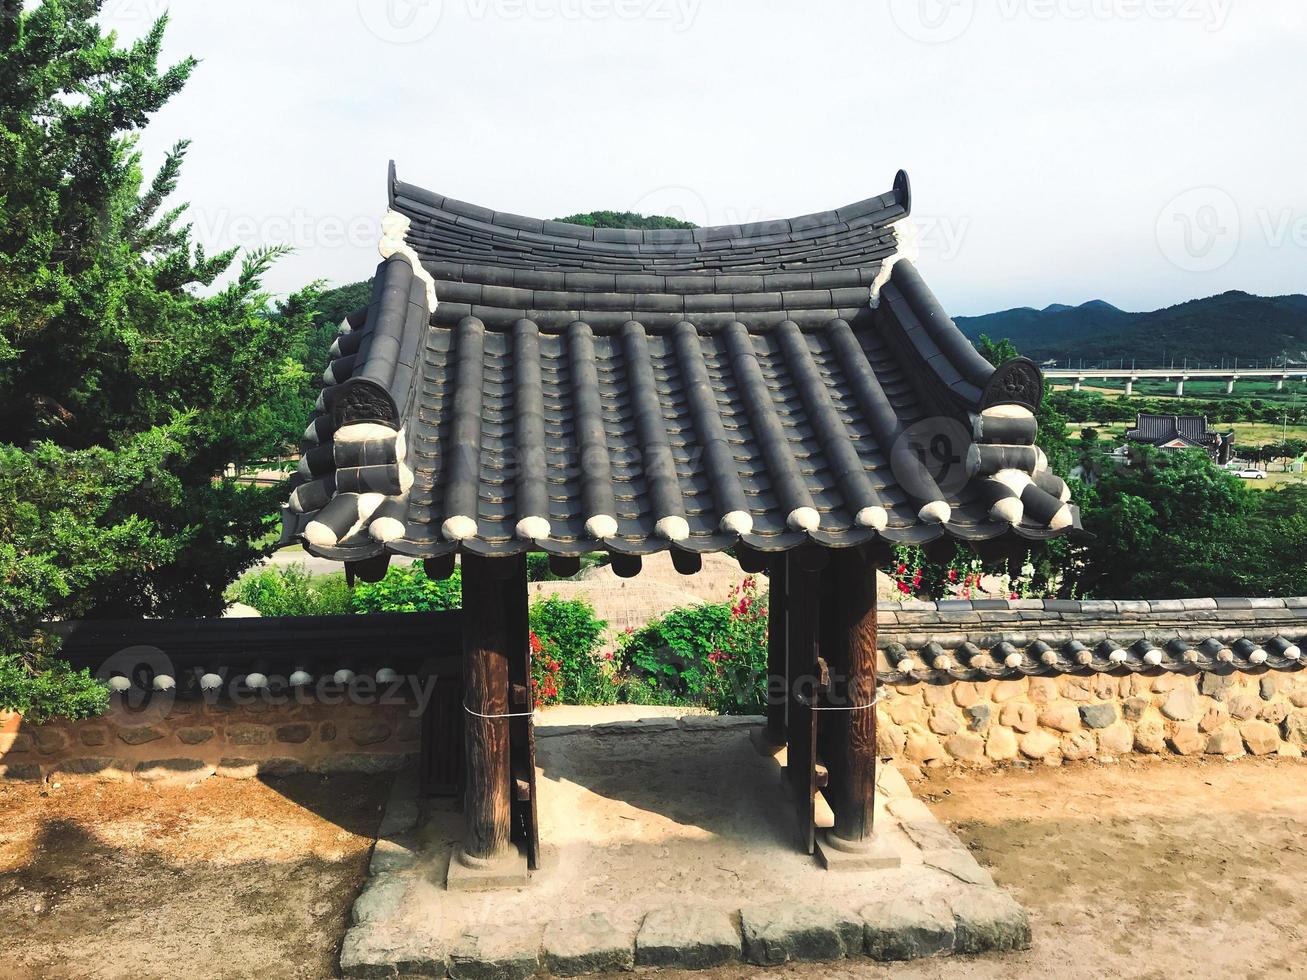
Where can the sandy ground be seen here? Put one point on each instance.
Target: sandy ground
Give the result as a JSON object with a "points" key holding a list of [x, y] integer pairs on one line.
{"points": [[1162, 870], [228, 879]]}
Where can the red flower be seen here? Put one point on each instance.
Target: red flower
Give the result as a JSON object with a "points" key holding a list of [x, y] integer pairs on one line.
{"points": [[952, 574]]}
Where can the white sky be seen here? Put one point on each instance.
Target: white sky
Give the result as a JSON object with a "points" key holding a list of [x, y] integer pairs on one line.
{"points": [[1139, 151]]}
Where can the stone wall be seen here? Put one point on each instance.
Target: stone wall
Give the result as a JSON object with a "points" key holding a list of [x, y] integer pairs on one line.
{"points": [[1052, 719], [970, 683], [980, 683], [189, 740]]}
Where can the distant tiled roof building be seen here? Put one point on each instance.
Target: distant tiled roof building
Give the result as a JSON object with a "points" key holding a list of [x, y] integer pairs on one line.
{"points": [[1182, 432]]}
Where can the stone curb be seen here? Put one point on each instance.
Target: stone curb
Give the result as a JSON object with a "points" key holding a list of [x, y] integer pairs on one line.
{"points": [[978, 919], [671, 723]]}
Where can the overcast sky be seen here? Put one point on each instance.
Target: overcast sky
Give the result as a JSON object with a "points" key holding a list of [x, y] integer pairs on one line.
{"points": [[1144, 152]]}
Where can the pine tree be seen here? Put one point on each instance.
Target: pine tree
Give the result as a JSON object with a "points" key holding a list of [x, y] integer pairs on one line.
{"points": [[130, 375]]}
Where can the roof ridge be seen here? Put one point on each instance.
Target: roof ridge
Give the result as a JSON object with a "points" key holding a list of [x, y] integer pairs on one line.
{"points": [[899, 195]]}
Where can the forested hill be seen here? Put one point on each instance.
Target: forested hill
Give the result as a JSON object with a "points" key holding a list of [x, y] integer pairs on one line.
{"points": [[1231, 325]]}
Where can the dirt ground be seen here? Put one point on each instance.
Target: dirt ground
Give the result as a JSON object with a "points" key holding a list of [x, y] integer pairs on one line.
{"points": [[1161, 869], [228, 879], [1140, 869]]}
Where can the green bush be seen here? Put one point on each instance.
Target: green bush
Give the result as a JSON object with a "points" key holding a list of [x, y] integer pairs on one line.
{"points": [[292, 591], [569, 633], [407, 589], [713, 655], [49, 688]]}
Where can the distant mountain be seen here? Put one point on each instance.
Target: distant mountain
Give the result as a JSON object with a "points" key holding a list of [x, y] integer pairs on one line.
{"points": [[1231, 325]]}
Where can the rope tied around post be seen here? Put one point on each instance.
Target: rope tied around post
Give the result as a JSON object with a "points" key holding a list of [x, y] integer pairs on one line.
{"points": [[857, 707], [511, 714]]}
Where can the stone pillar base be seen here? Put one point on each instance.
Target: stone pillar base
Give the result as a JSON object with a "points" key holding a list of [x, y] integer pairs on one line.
{"points": [[469, 874], [837, 854], [765, 746]]}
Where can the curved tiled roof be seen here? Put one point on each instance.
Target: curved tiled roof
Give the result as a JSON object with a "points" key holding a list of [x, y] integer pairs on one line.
{"points": [[520, 384]]}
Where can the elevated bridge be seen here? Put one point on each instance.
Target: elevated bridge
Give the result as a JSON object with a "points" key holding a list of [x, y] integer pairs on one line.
{"points": [[1078, 376]]}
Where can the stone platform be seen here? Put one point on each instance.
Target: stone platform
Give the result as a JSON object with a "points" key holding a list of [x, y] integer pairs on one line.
{"points": [[669, 842]]}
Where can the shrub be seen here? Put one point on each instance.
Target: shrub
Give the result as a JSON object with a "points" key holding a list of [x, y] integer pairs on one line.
{"points": [[569, 633], [292, 591], [546, 684], [49, 688], [537, 566], [714, 654], [407, 589]]}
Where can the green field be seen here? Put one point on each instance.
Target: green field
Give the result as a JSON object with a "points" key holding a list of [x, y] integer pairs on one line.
{"points": [[1274, 481], [1245, 433]]}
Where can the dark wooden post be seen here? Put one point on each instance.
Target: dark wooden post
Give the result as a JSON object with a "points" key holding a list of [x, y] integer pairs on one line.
{"points": [[806, 683], [777, 668], [487, 616], [522, 752], [850, 651]]}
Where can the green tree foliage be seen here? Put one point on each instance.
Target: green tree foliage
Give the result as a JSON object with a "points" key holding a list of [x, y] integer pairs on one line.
{"points": [[1091, 406], [1173, 525], [129, 378], [626, 219], [330, 308], [406, 588], [292, 591]]}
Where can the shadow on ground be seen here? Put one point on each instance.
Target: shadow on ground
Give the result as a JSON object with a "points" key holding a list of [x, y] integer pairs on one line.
{"points": [[228, 879]]}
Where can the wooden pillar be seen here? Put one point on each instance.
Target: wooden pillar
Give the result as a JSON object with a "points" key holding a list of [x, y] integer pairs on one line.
{"points": [[777, 668], [806, 683], [487, 615], [849, 648], [522, 752]]}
